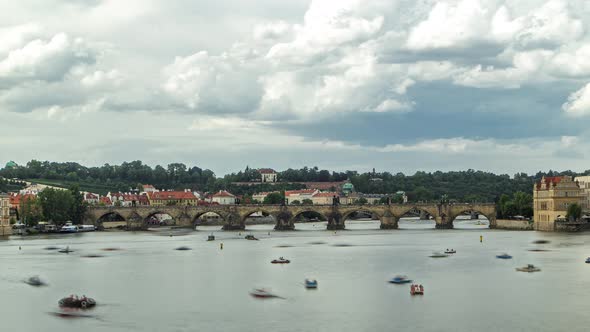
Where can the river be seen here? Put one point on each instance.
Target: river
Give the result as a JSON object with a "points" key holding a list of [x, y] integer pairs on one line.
{"points": [[149, 286]]}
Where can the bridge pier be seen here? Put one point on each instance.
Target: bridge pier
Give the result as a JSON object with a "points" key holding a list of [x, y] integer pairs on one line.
{"points": [[493, 223], [443, 222], [335, 221], [388, 221]]}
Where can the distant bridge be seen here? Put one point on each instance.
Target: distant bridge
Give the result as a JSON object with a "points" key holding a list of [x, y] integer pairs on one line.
{"points": [[234, 216]]}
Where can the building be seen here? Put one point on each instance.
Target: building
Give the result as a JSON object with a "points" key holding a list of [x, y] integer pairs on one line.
{"points": [[223, 197], [267, 175], [259, 197], [148, 188], [91, 198], [161, 198], [347, 188], [104, 200], [403, 196], [551, 198], [584, 183], [5, 227], [324, 198], [299, 195]]}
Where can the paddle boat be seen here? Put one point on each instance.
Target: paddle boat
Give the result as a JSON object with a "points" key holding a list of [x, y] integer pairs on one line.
{"points": [[263, 294], [211, 237], [251, 237], [437, 254], [450, 251], [67, 250], [74, 302], [400, 280], [34, 281], [588, 260], [311, 283], [504, 256], [528, 268], [416, 289], [281, 260]]}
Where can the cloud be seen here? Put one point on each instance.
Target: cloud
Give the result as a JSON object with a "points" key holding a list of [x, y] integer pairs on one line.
{"points": [[578, 103], [394, 106]]}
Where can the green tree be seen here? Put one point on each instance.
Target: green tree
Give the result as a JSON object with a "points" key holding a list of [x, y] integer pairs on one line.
{"points": [[307, 201], [79, 206], [296, 202], [574, 212], [30, 210], [362, 201], [57, 205], [274, 198]]}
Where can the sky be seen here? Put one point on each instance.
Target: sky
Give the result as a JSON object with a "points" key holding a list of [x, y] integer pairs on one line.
{"points": [[395, 85]]}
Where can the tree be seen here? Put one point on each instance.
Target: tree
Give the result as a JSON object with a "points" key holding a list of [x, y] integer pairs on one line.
{"points": [[274, 198], [574, 212], [296, 202], [362, 201], [307, 201], [30, 210], [79, 206], [57, 205]]}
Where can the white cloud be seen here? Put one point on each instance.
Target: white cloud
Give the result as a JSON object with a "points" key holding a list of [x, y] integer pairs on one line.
{"points": [[393, 106], [578, 103]]}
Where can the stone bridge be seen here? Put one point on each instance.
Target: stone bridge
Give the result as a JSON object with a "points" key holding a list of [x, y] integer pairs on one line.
{"points": [[234, 216]]}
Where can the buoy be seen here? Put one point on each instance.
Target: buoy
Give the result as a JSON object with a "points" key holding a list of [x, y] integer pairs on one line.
{"points": [[221, 246], [481, 238]]}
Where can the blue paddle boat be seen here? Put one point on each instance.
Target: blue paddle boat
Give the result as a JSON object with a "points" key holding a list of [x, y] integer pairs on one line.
{"points": [[311, 283], [400, 280], [504, 256]]}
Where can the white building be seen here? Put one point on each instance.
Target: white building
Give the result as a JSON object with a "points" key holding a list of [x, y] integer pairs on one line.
{"points": [[91, 198], [223, 198], [148, 188], [299, 195], [267, 175], [259, 197]]}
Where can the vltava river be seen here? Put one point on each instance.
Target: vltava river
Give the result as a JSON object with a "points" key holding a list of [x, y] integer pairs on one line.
{"points": [[149, 286]]}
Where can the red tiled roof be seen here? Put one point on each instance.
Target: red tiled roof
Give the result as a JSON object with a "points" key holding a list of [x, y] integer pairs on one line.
{"points": [[326, 195], [164, 195], [549, 180], [90, 196], [266, 171], [300, 192], [223, 193], [105, 200], [16, 199]]}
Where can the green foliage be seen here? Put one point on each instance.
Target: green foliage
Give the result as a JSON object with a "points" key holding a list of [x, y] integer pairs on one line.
{"points": [[296, 202], [57, 205], [274, 198], [307, 201], [79, 206], [574, 212], [520, 204], [30, 210], [362, 201]]}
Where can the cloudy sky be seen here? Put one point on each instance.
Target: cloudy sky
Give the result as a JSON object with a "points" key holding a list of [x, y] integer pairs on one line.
{"points": [[399, 85]]}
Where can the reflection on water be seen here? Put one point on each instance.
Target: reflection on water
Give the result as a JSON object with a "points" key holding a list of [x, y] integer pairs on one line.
{"points": [[149, 286]]}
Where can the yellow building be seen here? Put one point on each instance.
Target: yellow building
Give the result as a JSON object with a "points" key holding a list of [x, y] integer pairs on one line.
{"points": [[163, 198], [5, 227], [584, 183], [551, 198]]}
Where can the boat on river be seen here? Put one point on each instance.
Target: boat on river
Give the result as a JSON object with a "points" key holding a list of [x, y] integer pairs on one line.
{"points": [[68, 228], [416, 289], [181, 248], [34, 281], [281, 260], [311, 283], [66, 250], [73, 302], [528, 268], [262, 293], [251, 237], [504, 256], [211, 237], [437, 254], [450, 251], [399, 279], [588, 260]]}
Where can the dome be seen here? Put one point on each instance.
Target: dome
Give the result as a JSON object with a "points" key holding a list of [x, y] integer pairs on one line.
{"points": [[11, 164]]}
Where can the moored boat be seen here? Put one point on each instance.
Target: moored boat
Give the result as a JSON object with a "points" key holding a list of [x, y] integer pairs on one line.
{"points": [[86, 228], [528, 268], [504, 256], [437, 254], [399, 279], [68, 228], [281, 260], [77, 303], [416, 289], [311, 283]]}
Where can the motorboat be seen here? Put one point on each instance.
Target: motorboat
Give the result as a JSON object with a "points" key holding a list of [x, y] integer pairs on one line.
{"points": [[399, 279], [251, 237], [183, 248], [588, 260], [34, 281], [67, 250], [311, 283], [528, 268], [263, 294], [281, 260], [437, 254], [504, 256], [68, 228], [450, 251], [86, 228], [211, 237], [416, 289], [77, 303]]}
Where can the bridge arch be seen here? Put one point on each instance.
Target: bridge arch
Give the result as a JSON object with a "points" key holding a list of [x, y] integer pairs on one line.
{"points": [[110, 217], [491, 217], [198, 220], [151, 218], [318, 214]]}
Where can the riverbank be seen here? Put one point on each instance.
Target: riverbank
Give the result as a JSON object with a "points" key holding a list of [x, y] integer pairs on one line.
{"points": [[514, 225]]}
